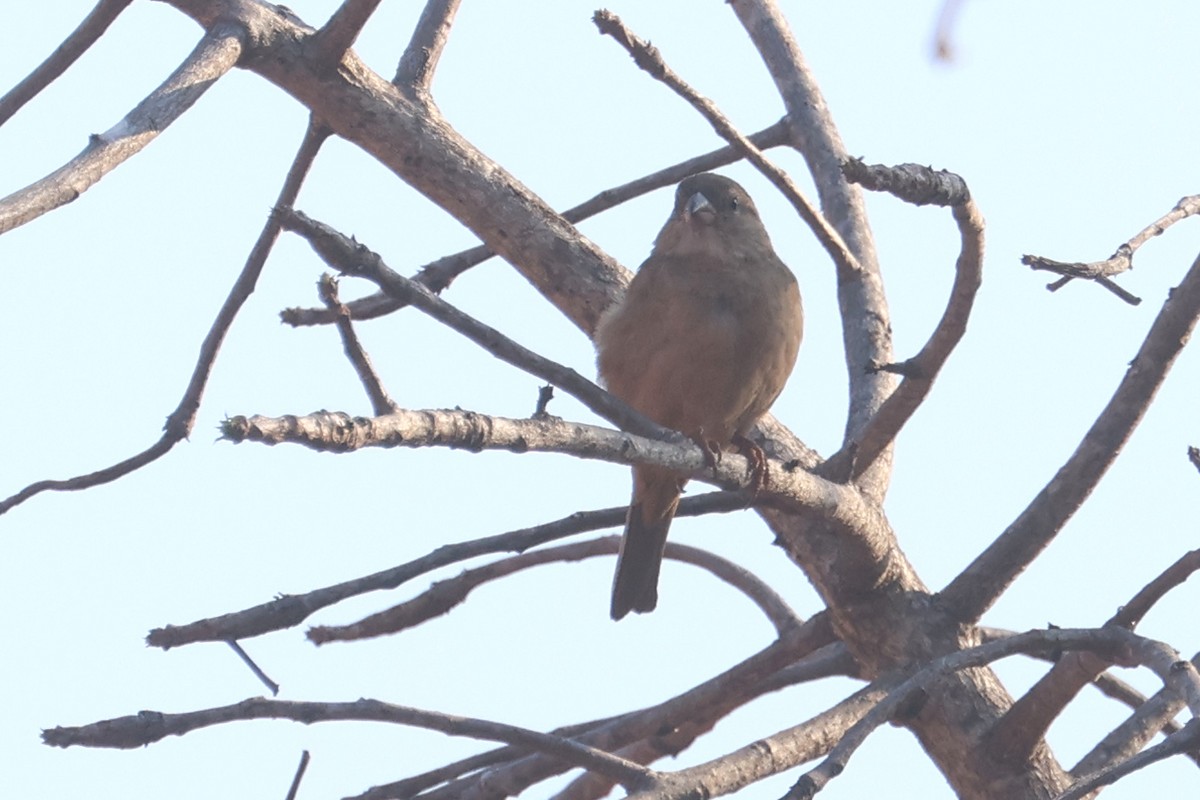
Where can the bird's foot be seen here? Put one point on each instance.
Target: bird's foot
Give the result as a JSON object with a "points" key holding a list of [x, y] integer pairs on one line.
{"points": [[711, 450], [759, 475]]}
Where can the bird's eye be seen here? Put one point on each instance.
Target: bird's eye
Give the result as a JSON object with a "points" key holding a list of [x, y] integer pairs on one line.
{"points": [[733, 203]]}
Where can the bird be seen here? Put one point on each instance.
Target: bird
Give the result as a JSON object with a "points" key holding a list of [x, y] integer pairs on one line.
{"points": [[702, 342]]}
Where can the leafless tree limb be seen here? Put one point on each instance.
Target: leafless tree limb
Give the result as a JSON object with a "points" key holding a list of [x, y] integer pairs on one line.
{"points": [[271, 685], [338, 34], [866, 321], [1194, 456], [444, 595], [381, 402], [290, 610], [978, 586], [1020, 730], [429, 38], [147, 727], [921, 186], [301, 768], [216, 54], [76, 44], [1118, 644], [1121, 260], [1186, 740], [179, 423], [712, 699]]}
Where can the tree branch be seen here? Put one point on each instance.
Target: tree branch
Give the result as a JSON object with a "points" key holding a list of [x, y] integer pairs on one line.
{"points": [[215, 55], [1186, 740], [921, 186], [978, 586], [290, 610], [420, 58], [179, 423], [381, 402], [147, 727], [338, 34], [445, 595], [1023, 727], [1121, 260], [76, 44]]}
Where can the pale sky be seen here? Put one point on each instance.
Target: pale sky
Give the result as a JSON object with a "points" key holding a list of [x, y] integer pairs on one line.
{"points": [[1074, 123]]}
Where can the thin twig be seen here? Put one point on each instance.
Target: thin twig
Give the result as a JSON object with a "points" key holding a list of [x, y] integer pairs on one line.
{"points": [[180, 421], [216, 54], [257, 670], [148, 727], [381, 402], [429, 37], [445, 595], [650, 60], [439, 274], [299, 776], [1193, 453], [1121, 260], [978, 586], [76, 44], [291, 610], [943, 34]]}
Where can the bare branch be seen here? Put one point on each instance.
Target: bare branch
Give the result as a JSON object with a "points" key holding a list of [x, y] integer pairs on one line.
{"points": [[338, 34], [1020, 730], [943, 46], [1153, 716], [87, 34], [920, 185], [437, 275], [337, 432], [770, 755], [216, 54], [352, 258], [147, 727], [179, 423], [650, 60], [1118, 644], [1186, 740], [301, 768], [1194, 456], [444, 595], [1121, 260], [257, 670], [429, 38], [290, 610], [381, 402], [978, 586], [866, 322], [711, 700]]}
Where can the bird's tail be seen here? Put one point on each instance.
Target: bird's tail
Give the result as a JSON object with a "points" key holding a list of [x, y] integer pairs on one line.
{"points": [[655, 498]]}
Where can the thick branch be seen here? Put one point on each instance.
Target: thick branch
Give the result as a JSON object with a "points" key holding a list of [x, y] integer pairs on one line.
{"points": [[338, 34], [429, 38], [978, 586], [87, 34], [215, 55]]}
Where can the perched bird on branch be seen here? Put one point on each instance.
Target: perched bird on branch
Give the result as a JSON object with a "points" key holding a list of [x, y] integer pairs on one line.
{"points": [[703, 342]]}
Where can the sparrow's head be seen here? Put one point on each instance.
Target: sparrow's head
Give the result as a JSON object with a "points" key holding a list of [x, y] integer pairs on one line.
{"points": [[713, 215]]}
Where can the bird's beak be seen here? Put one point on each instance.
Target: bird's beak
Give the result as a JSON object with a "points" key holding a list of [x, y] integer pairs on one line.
{"points": [[698, 204]]}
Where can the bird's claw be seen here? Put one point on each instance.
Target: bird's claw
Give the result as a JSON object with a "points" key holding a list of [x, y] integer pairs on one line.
{"points": [[760, 476]]}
